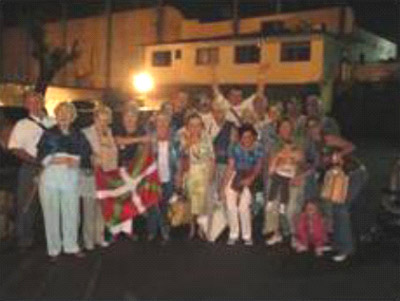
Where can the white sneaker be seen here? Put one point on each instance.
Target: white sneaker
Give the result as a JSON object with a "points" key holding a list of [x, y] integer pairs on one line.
{"points": [[248, 242], [326, 248], [105, 244], [339, 257], [274, 240], [231, 242]]}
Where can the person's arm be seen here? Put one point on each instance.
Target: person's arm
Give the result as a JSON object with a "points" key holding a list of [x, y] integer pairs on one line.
{"points": [[123, 141], [230, 169], [345, 146], [261, 78], [256, 171]]}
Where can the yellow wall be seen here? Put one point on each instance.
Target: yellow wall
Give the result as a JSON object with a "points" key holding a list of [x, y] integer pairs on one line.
{"points": [[193, 29], [185, 71]]}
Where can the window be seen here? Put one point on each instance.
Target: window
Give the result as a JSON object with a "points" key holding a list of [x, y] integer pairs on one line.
{"points": [[178, 54], [162, 58], [247, 54], [207, 56], [294, 52], [272, 28]]}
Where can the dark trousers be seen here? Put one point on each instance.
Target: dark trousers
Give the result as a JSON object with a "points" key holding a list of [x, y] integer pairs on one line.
{"points": [[157, 215], [27, 204], [279, 186]]}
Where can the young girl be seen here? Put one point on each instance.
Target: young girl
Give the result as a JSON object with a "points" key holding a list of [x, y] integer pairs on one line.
{"points": [[310, 230]]}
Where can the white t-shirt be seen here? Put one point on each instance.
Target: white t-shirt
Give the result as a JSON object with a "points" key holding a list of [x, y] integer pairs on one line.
{"points": [[163, 161], [26, 134], [246, 104]]}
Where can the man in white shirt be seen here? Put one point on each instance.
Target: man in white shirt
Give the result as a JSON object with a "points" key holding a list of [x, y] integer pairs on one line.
{"points": [[234, 103], [23, 143]]}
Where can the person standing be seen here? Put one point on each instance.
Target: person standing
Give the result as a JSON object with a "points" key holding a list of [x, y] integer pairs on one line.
{"points": [[62, 150], [23, 140], [104, 156]]}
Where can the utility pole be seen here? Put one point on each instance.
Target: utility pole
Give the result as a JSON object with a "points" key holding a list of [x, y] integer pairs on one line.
{"points": [[278, 6], [109, 36], [160, 20], [1, 43], [64, 30], [236, 18]]}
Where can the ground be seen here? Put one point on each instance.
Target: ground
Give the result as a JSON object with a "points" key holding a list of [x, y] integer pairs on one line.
{"points": [[181, 270]]}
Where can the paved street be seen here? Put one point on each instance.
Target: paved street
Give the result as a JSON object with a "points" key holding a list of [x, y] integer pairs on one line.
{"points": [[138, 270]]}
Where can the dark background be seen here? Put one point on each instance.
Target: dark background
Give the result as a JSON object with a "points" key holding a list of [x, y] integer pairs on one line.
{"points": [[379, 16]]}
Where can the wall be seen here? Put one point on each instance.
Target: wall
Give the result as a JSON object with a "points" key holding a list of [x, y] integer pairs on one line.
{"points": [[194, 29], [185, 71]]}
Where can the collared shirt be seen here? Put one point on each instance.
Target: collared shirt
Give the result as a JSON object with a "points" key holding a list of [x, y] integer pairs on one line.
{"points": [[26, 134], [246, 104], [245, 159], [163, 161]]}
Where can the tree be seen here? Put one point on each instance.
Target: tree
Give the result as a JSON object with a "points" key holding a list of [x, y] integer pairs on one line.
{"points": [[50, 59]]}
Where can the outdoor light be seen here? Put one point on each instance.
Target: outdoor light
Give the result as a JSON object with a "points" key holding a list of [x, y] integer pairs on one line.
{"points": [[143, 82]]}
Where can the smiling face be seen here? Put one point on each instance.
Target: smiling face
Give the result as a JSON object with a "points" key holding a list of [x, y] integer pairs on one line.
{"points": [[247, 139], [235, 97], [65, 115], [130, 122], [33, 104], [162, 126], [285, 130], [195, 126]]}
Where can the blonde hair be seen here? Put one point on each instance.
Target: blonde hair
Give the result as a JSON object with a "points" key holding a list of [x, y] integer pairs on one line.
{"points": [[103, 110], [69, 106]]}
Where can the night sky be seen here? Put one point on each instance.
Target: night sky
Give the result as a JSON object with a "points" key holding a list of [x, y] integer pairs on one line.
{"points": [[379, 16]]}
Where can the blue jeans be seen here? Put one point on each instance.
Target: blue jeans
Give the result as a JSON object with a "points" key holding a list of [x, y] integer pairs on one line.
{"points": [[157, 215], [341, 213]]}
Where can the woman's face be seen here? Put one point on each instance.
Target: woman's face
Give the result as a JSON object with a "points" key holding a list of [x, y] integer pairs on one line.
{"points": [[195, 126], [248, 139], [129, 122], [64, 117], [285, 130], [314, 131], [102, 120]]}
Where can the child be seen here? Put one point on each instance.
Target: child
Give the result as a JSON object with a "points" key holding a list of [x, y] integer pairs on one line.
{"points": [[310, 230], [283, 169]]}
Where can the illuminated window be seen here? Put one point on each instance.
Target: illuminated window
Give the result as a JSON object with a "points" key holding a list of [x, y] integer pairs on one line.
{"points": [[162, 58], [207, 56], [247, 54], [295, 51]]}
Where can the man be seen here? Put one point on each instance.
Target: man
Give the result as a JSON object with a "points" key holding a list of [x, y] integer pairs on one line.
{"points": [[23, 141], [234, 103], [179, 104]]}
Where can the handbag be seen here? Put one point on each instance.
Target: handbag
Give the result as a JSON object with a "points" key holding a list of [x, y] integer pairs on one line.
{"points": [[218, 223], [335, 186], [179, 211]]}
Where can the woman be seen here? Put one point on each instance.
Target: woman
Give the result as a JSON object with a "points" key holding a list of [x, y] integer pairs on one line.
{"points": [[196, 168], [244, 166], [129, 137], [62, 150], [105, 157], [274, 212], [322, 146]]}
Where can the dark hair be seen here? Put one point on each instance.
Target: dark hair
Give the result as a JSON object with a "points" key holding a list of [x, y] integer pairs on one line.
{"points": [[282, 121], [247, 127]]}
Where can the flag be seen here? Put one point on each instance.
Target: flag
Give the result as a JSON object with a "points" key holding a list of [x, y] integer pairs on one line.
{"points": [[128, 192]]}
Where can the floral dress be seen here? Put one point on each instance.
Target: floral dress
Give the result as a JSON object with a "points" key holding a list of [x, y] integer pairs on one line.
{"points": [[197, 179]]}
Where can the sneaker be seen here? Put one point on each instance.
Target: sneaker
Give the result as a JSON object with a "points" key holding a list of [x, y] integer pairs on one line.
{"points": [[326, 248], [274, 240], [231, 242], [319, 252], [248, 242], [339, 257], [105, 244], [301, 248]]}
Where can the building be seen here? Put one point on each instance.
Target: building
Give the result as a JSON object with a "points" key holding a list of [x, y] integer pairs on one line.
{"points": [[303, 52]]}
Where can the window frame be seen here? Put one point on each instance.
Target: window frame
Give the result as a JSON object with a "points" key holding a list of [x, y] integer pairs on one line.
{"points": [[254, 58], [168, 62], [211, 53], [287, 57]]}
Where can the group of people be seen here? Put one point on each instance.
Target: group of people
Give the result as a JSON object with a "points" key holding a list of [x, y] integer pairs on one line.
{"points": [[247, 157]]}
